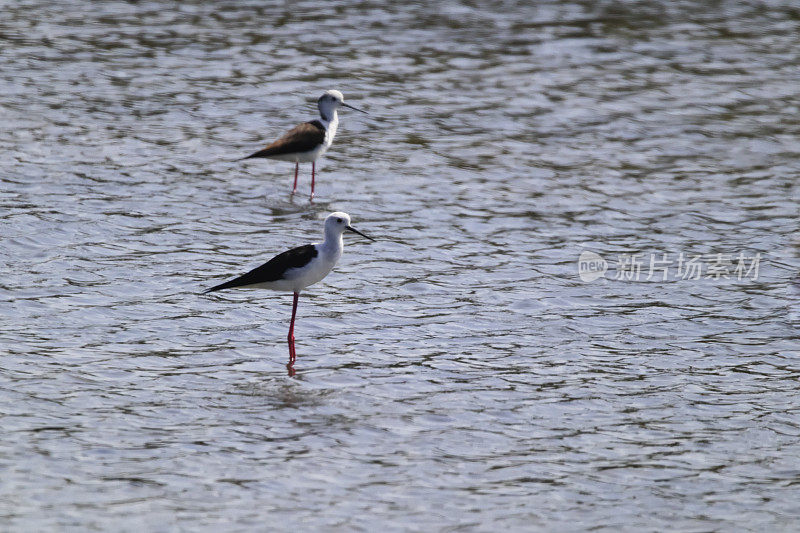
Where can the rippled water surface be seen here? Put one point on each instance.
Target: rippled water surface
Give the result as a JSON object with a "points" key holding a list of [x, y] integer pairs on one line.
{"points": [[457, 374]]}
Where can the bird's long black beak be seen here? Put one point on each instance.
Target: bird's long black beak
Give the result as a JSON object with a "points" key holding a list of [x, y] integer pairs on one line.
{"points": [[353, 107], [354, 230]]}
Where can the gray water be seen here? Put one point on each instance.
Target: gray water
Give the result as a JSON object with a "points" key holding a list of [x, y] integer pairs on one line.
{"points": [[457, 374]]}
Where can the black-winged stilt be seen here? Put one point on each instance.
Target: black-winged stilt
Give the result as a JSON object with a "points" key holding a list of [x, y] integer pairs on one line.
{"points": [[306, 142], [296, 269]]}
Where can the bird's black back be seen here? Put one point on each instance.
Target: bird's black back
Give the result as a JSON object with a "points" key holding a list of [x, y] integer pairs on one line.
{"points": [[274, 269], [302, 138]]}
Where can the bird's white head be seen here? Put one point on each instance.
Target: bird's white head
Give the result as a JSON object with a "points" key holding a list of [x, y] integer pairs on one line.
{"points": [[336, 224], [330, 101], [333, 96]]}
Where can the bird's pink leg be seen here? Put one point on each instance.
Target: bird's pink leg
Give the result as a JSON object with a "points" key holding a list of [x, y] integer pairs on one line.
{"points": [[296, 167], [290, 337], [313, 168]]}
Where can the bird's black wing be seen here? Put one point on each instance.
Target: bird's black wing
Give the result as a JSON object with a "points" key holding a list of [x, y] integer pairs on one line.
{"points": [[302, 138], [274, 269]]}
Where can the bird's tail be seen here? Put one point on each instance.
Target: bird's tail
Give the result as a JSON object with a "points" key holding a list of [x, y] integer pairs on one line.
{"points": [[219, 287], [266, 152]]}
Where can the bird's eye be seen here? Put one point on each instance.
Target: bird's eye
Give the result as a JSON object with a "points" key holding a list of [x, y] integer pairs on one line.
{"points": [[339, 220]]}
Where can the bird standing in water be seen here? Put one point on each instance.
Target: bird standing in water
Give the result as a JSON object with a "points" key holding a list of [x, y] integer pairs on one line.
{"points": [[296, 269], [306, 142]]}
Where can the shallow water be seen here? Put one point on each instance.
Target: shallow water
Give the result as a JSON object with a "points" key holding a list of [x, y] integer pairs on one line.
{"points": [[457, 374]]}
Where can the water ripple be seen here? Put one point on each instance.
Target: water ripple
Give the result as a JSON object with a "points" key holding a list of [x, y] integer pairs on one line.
{"points": [[455, 374]]}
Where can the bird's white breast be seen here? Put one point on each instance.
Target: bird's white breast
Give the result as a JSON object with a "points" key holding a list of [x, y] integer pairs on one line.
{"points": [[313, 155], [330, 133], [299, 278]]}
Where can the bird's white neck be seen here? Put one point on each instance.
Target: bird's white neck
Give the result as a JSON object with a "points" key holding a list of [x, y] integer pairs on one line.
{"points": [[330, 119], [332, 245], [328, 114]]}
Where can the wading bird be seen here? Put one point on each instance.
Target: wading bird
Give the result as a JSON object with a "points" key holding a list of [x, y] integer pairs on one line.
{"points": [[296, 269], [306, 142]]}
